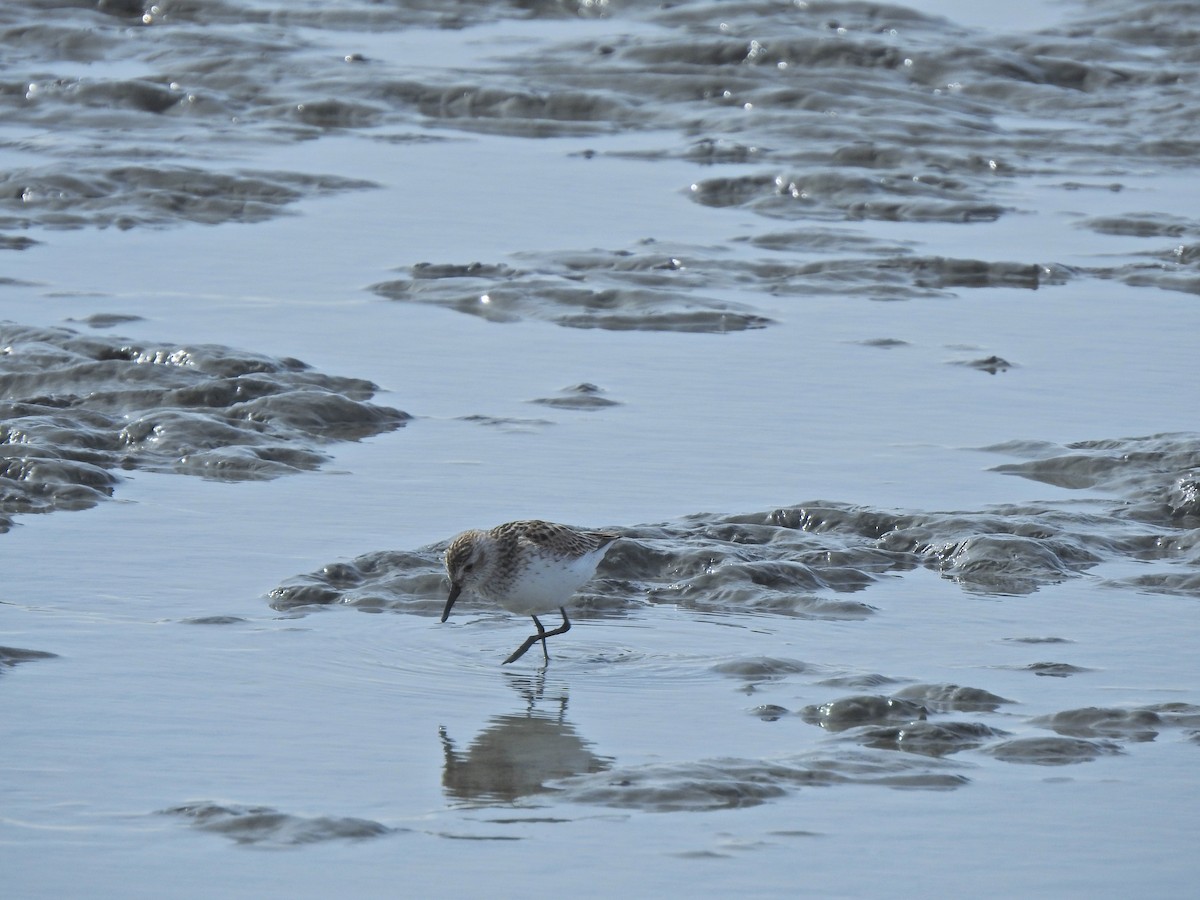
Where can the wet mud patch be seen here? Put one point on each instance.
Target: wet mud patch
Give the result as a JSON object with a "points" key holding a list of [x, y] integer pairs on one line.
{"points": [[1052, 669], [900, 276], [1143, 723], [655, 287], [942, 698], [860, 681], [507, 423], [214, 620], [992, 365], [829, 240], [739, 783], [16, 242], [825, 195], [937, 739], [903, 721], [107, 320], [851, 712], [1173, 268], [647, 290], [769, 712], [1158, 479], [909, 721], [14, 656], [1142, 225], [1052, 751], [760, 669], [409, 581], [76, 409], [265, 826], [1159, 465], [586, 397], [943, 272], [143, 196]]}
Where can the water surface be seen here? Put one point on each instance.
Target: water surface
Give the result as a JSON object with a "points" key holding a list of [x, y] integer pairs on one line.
{"points": [[870, 328]]}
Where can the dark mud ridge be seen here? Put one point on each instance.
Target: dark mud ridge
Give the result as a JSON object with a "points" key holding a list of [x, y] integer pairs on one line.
{"points": [[75, 409], [662, 287], [132, 195], [807, 560], [650, 290]]}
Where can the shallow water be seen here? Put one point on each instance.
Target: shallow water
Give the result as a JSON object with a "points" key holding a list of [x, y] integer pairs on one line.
{"points": [[870, 329]]}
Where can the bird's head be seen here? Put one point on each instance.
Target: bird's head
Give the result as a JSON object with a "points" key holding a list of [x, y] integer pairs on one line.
{"points": [[468, 564]]}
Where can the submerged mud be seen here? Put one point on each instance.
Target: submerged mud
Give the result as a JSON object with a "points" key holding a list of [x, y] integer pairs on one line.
{"points": [[76, 409], [265, 826]]}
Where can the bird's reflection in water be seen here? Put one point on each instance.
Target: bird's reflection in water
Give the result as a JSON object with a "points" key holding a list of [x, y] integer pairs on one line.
{"points": [[518, 753]]}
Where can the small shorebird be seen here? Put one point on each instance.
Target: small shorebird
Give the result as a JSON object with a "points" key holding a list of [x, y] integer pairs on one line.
{"points": [[527, 567]]}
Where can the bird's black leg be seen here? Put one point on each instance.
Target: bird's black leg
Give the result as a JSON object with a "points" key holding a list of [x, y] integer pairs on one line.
{"points": [[540, 636], [542, 631], [529, 642]]}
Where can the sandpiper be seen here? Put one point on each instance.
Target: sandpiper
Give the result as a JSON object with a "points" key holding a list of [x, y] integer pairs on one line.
{"points": [[528, 567]]}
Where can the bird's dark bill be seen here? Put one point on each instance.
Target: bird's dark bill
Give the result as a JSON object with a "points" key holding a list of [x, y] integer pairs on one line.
{"points": [[455, 590]]}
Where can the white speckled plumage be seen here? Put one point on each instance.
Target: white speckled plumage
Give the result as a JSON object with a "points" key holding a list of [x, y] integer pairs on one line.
{"points": [[528, 567]]}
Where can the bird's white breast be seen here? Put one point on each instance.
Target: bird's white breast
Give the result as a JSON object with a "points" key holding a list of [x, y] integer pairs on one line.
{"points": [[544, 583]]}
